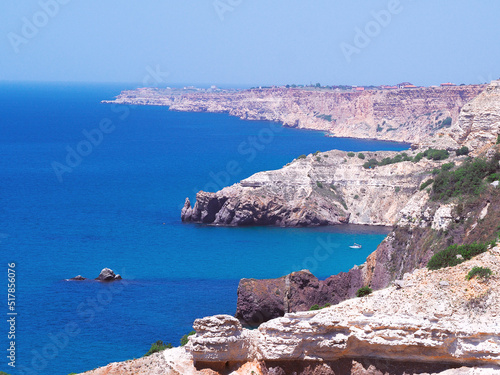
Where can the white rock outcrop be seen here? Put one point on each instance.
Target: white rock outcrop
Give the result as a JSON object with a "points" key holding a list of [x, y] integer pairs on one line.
{"points": [[478, 124], [443, 217]]}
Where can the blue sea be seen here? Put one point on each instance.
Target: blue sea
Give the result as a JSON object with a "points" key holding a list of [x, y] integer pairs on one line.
{"points": [[85, 185]]}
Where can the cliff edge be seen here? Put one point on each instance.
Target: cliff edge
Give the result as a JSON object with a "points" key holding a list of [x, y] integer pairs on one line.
{"points": [[429, 322]]}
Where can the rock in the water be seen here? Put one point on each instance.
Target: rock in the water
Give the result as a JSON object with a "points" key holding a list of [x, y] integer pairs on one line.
{"points": [[187, 211], [108, 275], [78, 278]]}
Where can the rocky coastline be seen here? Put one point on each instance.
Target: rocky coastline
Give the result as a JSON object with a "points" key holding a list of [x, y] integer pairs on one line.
{"points": [[413, 116], [417, 321], [432, 322], [325, 188]]}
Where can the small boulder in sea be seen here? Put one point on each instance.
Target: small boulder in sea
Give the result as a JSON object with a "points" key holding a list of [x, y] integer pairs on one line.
{"points": [[78, 278], [108, 275]]}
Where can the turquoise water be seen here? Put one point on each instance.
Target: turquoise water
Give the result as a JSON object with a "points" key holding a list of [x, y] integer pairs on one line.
{"points": [[119, 207]]}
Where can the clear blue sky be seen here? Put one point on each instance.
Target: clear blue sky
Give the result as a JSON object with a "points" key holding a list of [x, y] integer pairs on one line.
{"points": [[251, 41]]}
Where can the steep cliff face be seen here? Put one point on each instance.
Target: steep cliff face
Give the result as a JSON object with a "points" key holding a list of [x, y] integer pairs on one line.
{"points": [[478, 124], [322, 189], [406, 115]]}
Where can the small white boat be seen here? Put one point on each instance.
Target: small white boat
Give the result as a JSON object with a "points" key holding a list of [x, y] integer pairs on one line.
{"points": [[355, 246]]}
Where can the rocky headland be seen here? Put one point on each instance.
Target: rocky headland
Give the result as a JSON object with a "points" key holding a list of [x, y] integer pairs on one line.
{"points": [[417, 321], [405, 115], [324, 188]]}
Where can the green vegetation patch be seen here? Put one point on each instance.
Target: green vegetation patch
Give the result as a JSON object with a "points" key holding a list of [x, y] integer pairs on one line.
{"points": [[361, 156], [426, 183], [434, 154], [480, 272], [184, 339], [372, 163], [325, 117], [351, 154], [301, 156], [468, 179], [318, 307], [455, 254], [158, 347], [364, 291], [446, 121], [464, 150]]}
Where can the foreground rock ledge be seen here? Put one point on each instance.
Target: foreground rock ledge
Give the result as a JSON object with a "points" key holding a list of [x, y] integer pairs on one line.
{"points": [[429, 322]]}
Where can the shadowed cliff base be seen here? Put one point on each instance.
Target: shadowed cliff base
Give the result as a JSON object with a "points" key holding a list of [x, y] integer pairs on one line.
{"points": [[345, 366]]}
